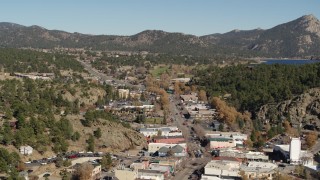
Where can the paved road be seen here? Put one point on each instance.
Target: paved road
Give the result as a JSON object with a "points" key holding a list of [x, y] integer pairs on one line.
{"points": [[191, 164], [105, 78]]}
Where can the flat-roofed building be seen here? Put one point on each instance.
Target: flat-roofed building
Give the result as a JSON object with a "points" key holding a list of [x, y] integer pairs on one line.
{"points": [[259, 170], [224, 169], [150, 174]]}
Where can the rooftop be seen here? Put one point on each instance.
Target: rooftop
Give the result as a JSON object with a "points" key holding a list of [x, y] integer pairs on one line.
{"points": [[222, 139]]}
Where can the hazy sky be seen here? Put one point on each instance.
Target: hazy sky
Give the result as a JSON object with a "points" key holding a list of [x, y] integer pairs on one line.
{"points": [[128, 17]]}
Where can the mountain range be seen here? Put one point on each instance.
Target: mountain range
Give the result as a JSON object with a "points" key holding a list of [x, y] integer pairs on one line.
{"points": [[297, 38]]}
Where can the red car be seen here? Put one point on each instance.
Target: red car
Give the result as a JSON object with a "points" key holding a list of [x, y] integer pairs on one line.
{"points": [[72, 156]]}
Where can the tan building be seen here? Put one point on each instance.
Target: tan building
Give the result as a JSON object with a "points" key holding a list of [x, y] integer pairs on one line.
{"points": [[123, 93], [217, 143], [259, 170], [126, 174]]}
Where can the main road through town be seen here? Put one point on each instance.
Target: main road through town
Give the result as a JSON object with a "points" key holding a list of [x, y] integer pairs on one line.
{"points": [[191, 164], [104, 77]]}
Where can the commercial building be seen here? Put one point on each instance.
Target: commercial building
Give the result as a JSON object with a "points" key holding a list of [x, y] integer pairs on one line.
{"points": [[231, 168], [150, 174], [168, 139], [225, 139], [126, 174], [244, 155], [221, 142], [295, 150], [165, 131], [224, 169], [293, 154], [259, 170]]}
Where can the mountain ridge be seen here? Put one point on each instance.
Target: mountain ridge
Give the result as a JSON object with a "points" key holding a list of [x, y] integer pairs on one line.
{"points": [[297, 38]]}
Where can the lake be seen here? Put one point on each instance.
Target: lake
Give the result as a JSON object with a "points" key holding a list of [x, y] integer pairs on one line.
{"points": [[289, 61]]}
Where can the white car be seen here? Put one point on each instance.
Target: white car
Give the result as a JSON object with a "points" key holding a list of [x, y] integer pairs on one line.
{"points": [[43, 163], [28, 162]]}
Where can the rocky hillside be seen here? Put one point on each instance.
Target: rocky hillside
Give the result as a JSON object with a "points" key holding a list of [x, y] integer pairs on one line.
{"points": [[298, 38], [304, 109], [114, 136]]}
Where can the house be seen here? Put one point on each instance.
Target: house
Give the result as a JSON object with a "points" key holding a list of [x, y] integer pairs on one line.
{"points": [[154, 147], [189, 98], [95, 173], [150, 174], [26, 150], [177, 151]]}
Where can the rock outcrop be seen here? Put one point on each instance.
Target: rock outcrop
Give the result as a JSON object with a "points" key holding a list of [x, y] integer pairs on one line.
{"points": [[304, 109]]}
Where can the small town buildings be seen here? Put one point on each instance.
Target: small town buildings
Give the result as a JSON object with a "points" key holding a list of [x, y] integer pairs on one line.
{"points": [[181, 80], [259, 170], [168, 139], [162, 168], [126, 174], [154, 147], [189, 98], [95, 173], [26, 150], [231, 168], [295, 150], [199, 111], [161, 131], [292, 153], [150, 174], [221, 142], [225, 139], [244, 155], [223, 169], [176, 151], [147, 108]]}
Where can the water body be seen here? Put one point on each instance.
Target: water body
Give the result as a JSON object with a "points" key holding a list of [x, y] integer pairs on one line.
{"points": [[289, 61]]}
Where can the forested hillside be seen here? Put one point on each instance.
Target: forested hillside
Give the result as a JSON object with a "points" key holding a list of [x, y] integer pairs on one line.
{"points": [[252, 87], [25, 61]]}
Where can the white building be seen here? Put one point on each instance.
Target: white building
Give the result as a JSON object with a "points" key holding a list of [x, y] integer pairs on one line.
{"points": [[259, 170], [26, 150], [295, 150], [165, 131], [237, 138], [223, 169], [150, 174], [248, 155], [294, 154]]}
